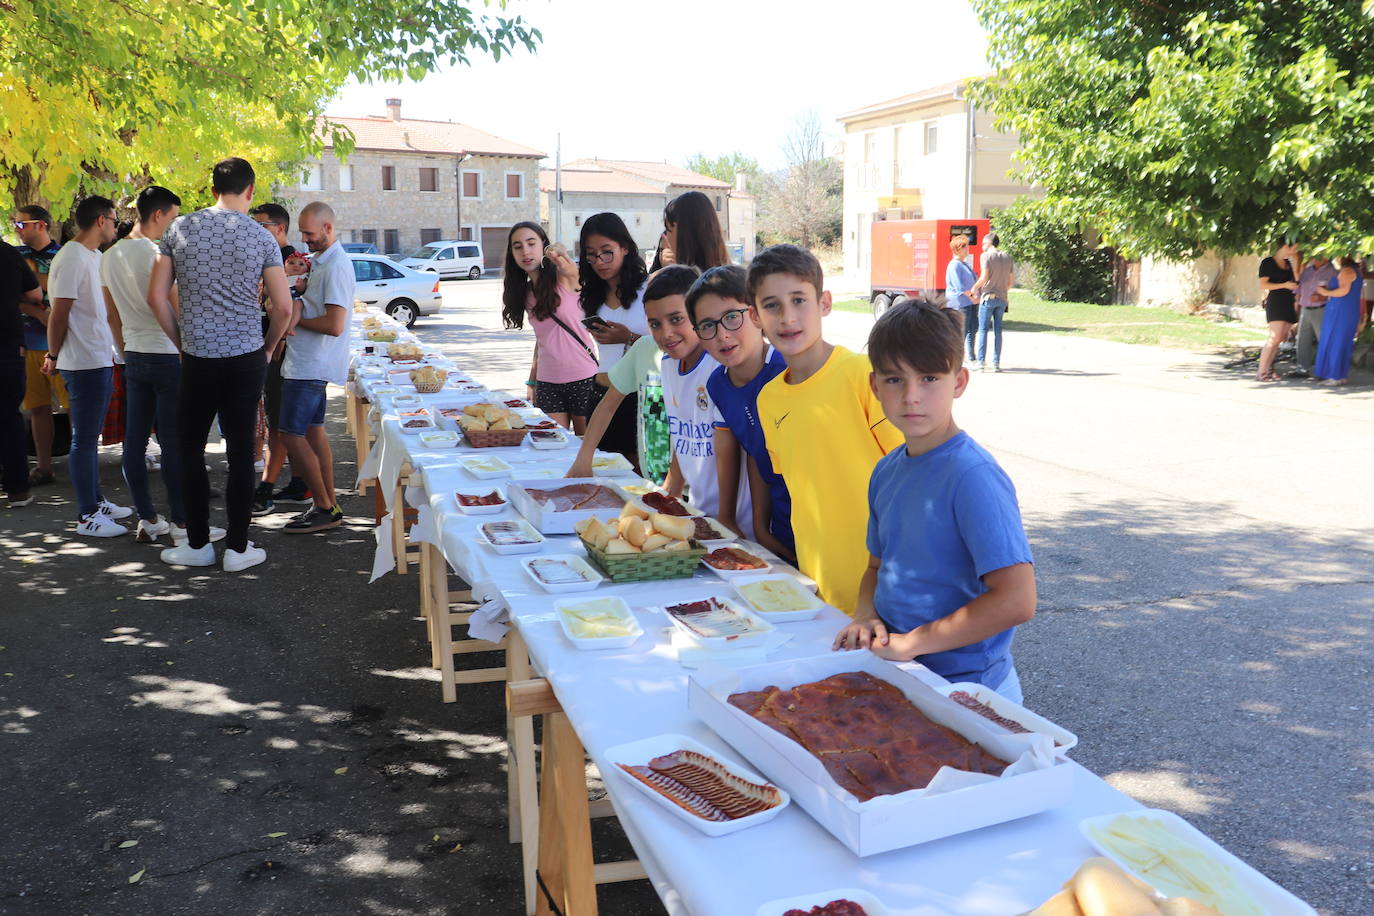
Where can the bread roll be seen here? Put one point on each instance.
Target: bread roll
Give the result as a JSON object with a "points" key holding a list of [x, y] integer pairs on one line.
{"points": [[636, 531], [491, 413], [499, 424], [1103, 889], [1061, 904], [1182, 906], [620, 545], [655, 542], [680, 529], [474, 410], [472, 423], [607, 534], [633, 510], [678, 545], [515, 420], [585, 526]]}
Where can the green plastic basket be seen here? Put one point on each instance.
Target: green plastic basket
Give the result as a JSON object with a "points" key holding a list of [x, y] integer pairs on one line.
{"points": [[646, 567]]}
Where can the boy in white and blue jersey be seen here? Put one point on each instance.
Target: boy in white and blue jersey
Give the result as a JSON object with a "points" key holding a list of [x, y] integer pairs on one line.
{"points": [[950, 574]]}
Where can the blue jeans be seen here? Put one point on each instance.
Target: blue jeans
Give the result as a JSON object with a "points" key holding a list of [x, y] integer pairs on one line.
{"points": [[970, 329], [990, 310], [88, 391], [150, 385], [302, 405]]}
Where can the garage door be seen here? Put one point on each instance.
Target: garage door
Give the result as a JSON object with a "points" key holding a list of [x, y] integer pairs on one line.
{"points": [[494, 246]]}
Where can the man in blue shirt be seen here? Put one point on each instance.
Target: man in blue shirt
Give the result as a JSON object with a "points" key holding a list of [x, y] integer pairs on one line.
{"points": [[959, 279], [950, 574]]}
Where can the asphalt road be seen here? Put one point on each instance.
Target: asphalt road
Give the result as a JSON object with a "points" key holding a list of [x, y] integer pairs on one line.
{"points": [[1205, 628]]}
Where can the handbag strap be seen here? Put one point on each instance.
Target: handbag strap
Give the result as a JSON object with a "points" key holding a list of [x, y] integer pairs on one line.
{"points": [[573, 333]]}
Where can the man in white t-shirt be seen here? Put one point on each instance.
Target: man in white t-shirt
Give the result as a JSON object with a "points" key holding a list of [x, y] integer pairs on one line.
{"points": [[81, 348], [318, 355], [152, 365]]}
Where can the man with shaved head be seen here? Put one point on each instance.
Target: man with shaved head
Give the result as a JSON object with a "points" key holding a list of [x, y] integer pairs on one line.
{"points": [[317, 356]]}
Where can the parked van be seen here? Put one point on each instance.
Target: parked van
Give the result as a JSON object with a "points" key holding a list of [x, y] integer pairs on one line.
{"points": [[450, 260]]}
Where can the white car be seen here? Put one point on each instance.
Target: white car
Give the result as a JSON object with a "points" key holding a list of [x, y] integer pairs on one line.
{"points": [[403, 293], [450, 260]]}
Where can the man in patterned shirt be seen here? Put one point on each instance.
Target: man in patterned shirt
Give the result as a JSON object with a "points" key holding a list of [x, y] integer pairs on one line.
{"points": [[217, 257], [34, 225]]}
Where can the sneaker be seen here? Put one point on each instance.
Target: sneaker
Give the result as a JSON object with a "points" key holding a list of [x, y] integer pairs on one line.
{"points": [[99, 525], [179, 535], [153, 462], [113, 511], [979, 367], [185, 555], [19, 502], [39, 478], [996, 368], [148, 532], [314, 519], [239, 560], [262, 499], [295, 493]]}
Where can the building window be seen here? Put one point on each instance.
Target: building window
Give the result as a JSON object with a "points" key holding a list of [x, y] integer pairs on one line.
{"points": [[467, 233], [393, 241], [429, 179], [577, 220], [515, 186], [718, 203], [870, 148], [314, 177], [472, 184], [932, 138], [345, 178], [430, 235], [367, 236], [388, 178]]}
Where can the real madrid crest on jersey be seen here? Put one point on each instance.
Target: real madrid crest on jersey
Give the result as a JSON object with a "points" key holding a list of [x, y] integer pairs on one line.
{"points": [[703, 402]]}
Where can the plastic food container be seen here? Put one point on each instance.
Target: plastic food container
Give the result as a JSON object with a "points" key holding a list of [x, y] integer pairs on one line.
{"points": [[486, 468], [616, 606], [590, 577], [611, 464], [440, 438], [406, 400], [732, 574], [639, 753], [758, 628], [805, 902], [494, 535], [726, 537], [548, 439], [1063, 739], [787, 584], [480, 491], [413, 426]]}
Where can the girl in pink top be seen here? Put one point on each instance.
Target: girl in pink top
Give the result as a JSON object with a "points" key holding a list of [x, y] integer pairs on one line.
{"points": [[541, 282]]}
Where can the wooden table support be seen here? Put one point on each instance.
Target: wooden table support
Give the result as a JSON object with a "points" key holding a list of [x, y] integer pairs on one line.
{"points": [[436, 604], [356, 411]]}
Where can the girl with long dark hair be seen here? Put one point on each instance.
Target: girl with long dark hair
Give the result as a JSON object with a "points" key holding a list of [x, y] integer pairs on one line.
{"points": [[541, 284], [613, 278], [692, 231]]}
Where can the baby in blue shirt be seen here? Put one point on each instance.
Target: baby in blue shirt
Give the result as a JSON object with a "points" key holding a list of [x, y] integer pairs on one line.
{"points": [[950, 574]]}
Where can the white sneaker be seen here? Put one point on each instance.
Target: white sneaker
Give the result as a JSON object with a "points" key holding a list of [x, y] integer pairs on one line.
{"points": [[185, 555], [154, 462], [239, 560], [113, 511], [99, 525], [180, 536], [148, 532]]}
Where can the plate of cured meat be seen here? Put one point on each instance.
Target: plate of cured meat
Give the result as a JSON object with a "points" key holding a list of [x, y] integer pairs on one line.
{"points": [[841, 901], [699, 785]]}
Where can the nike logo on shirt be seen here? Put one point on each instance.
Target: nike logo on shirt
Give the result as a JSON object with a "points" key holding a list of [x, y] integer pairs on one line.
{"points": [[777, 424]]}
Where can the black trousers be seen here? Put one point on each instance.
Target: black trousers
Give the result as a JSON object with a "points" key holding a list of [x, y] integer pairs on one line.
{"points": [[14, 452], [230, 387]]}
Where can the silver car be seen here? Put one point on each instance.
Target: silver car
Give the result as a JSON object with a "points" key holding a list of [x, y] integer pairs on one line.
{"points": [[403, 293]]}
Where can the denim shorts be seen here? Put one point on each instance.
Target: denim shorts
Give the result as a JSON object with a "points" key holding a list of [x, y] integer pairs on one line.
{"points": [[302, 405]]}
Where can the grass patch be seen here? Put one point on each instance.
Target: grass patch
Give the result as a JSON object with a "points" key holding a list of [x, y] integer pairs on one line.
{"points": [[1121, 323]]}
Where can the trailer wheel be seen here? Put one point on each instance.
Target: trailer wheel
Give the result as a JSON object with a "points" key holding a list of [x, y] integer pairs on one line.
{"points": [[881, 303]]}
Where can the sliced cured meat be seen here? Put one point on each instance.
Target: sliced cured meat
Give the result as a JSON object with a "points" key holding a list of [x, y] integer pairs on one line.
{"points": [[702, 786], [968, 700], [662, 502]]}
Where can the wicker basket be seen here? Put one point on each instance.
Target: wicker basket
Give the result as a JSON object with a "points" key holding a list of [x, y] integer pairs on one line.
{"points": [[646, 567], [431, 388], [494, 438]]}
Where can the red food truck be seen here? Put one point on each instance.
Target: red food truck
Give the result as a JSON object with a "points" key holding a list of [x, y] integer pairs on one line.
{"points": [[909, 257]]}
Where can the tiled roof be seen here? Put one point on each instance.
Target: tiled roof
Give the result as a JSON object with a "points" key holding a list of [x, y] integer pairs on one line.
{"points": [[409, 135], [598, 181], [921, 95], [660, 172]]}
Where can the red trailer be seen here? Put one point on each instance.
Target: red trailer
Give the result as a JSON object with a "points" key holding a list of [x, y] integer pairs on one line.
{"points": [[909, 256]]}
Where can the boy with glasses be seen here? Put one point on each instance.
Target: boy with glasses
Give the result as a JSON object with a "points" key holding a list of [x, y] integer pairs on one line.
{"points": [[719, 306], [38, 248]]}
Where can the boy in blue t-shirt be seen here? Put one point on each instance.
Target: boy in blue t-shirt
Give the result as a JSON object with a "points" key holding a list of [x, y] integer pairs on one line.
{"points": [[951, 575], [719, 306]]}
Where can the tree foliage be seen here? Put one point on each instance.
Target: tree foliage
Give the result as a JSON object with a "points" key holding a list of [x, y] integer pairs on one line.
{"points": [[725, 166], [803, 203], [1063, 267], [109, 96], [1176, 126]]}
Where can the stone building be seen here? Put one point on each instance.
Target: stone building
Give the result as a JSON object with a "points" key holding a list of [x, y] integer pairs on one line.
{"points": [[399, 188]]}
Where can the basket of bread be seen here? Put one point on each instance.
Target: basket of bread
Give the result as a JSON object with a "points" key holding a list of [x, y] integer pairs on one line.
{"points": [[491, 426], [428, 380], [403, 351], [381, 335], [641, 546]]}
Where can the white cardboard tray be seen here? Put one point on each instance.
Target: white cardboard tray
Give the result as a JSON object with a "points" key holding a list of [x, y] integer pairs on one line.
{"points": [[545, 519], [1274, 899], [639, 753], [956, 802]]}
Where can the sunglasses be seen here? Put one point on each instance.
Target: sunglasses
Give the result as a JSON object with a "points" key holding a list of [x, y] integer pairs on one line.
{"points": [[21, 223]]}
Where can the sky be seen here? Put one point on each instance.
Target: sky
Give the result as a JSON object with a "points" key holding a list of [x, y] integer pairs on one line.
{"points": [[653, 80]]}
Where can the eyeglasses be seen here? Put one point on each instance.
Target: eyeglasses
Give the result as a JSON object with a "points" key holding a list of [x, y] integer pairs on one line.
{"points": [[732, 320], [21, 223], [600, 257]]}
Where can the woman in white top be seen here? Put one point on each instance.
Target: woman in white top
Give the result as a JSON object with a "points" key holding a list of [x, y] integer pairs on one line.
{"points": [[613, 277]]}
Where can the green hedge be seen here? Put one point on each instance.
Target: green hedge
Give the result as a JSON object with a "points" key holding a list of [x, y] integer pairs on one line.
{"points": [[1062, 267]]}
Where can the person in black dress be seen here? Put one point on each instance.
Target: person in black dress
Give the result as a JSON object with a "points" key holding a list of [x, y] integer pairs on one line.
{"points": [[1278, 276]]}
